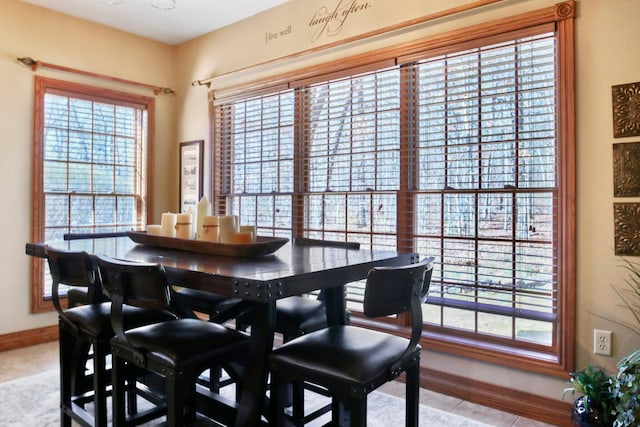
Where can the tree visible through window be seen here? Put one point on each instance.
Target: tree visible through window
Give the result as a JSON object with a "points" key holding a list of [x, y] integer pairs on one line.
{"points": [[487, 199], [456, 153], [93, 147]]}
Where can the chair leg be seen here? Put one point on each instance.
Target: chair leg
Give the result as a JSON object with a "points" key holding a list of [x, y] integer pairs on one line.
{"points": [[357, 411], [215, 372], [296, 391], [119, 388], [172, 404], [132, 393], [277, 402], [180, 400], [412, 394], [65, 344], [337, 412], [100, 381]]}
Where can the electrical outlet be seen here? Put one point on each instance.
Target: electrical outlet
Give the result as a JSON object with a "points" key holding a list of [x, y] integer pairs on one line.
{"points": [[602, 342]]}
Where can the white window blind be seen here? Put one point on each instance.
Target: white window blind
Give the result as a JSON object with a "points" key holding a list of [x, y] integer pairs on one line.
{"points": [[352, 158], [94, 166], [452, 155], [257, 159], [91, 164], [487, 189]]}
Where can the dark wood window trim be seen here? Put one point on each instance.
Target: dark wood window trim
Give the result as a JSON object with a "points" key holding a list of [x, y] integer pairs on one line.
{"points": [[559, 359], [39, 303]]}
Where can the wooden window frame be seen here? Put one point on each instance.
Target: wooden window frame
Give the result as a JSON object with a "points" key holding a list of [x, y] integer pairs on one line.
{"points": [[560, 359], [40, 303]]}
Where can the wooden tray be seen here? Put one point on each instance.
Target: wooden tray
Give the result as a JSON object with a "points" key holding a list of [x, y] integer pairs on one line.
{"points": [[263, 246]]}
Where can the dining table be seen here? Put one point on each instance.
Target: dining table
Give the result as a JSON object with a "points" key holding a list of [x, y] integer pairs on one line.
{"points": [[258, 282]]}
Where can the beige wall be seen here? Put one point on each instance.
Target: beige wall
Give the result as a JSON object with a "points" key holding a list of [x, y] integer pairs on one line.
{"points": [[605, 31], [50, 37]]}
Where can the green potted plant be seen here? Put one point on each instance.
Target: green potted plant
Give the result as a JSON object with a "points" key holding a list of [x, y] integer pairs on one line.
{"points": [[595, 405], [612, 400], [625, 384], [625, 391]]}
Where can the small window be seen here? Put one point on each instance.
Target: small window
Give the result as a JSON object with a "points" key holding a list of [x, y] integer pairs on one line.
{"points": [[91, 171]]}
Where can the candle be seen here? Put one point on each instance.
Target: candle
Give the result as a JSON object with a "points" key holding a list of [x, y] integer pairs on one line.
{"points": [[227, 227], [154, 229], [168, 224], [204, 209], [249, 229], [244, 237], [193, 214], [184, 226], [210, 231]]}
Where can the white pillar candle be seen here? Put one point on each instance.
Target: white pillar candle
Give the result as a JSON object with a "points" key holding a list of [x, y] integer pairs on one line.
{"points": [[249, 229], [154, 229], [191, 211], [227, 227], [204, 209], [168, 224], [184, 226], [210, 231]]}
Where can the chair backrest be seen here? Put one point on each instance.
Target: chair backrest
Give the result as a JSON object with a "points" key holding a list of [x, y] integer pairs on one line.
{"points": [[398, 289], [138, 284], [305, 241], [391, 290], [73, 268], [135, 284]]}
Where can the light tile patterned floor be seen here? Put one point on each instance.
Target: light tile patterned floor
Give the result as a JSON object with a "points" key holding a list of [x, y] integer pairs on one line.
{"points": [[31, 360]]}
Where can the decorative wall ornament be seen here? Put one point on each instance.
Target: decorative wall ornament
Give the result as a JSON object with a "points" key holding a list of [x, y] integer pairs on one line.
{"points": [[627, 228], [626, 170], [626, 110]]}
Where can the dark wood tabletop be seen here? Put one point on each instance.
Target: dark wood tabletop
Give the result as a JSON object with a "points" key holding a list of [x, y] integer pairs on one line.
{"points": [[291, 270]]}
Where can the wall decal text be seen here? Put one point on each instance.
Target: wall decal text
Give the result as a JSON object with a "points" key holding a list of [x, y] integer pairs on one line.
{"points": [[269, 36], [330, 20]]}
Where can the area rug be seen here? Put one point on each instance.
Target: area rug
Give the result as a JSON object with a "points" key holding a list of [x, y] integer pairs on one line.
{"points": [[33, 402]]}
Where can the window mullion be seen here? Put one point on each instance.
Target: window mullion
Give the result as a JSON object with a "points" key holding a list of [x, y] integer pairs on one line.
{"points": [[409, 161]]}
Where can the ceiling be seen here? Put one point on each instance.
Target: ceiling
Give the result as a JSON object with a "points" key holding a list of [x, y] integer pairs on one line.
{"points": [[190, 18]]}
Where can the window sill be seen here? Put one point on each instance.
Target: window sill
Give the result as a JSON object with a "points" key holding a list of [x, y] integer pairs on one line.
{"points": [[530, 360]]}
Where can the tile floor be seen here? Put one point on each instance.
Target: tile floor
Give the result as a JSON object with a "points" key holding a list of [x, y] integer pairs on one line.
{"points": [[30, 360]]}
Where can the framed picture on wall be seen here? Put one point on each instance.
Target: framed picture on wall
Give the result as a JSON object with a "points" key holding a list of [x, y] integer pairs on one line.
{"points": [[191, 154]]}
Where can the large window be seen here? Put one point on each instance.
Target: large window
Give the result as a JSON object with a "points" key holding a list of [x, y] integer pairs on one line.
{"points": [[458, 151], [90, 165]]}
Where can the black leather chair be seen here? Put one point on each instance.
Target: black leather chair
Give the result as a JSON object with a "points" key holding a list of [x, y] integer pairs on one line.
{"points": [[218, 309], [299, 315], [179, 350], [85, 333], [296, 316], [352, 361]]}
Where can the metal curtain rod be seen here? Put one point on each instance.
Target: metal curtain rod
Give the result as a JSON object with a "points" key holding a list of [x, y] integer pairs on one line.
{"points": [[416, 21], [34, 65]]}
